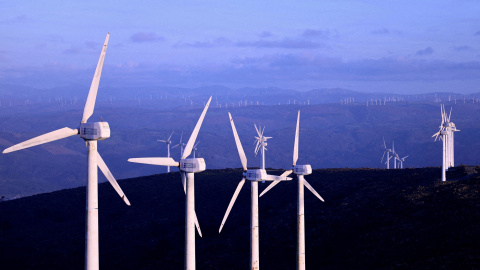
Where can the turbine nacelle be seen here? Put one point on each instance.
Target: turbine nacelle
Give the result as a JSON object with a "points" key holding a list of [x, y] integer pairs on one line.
{"points": [[193, 165], [94, 131], [302, 169]]}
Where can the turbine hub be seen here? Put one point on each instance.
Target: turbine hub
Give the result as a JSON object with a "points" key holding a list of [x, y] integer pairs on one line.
{"points": [[94, 131]]}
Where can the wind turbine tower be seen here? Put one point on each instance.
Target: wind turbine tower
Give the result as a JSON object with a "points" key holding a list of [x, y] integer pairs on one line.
{"points": [[445, 133], [91, 133], [168, 142], [188, 167], [254, 176], [300, 171]]}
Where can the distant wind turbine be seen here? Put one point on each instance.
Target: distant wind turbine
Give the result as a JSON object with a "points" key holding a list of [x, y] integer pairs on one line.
{"points": [[188, 167], [388, 151], [91, 133], [300, 171], [168, 142], [253, 175]]}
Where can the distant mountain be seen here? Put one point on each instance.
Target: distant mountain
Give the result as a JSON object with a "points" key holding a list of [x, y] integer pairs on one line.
{"points": [[371, 219], [332, 135]]}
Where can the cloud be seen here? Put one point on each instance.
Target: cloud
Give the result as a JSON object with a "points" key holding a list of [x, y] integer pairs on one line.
{"points": [[286, 43], [145, 37], [386, 31], [426, 51], [17, 20], [219, 42], [312, 33], [463, 48], [265, 34]]}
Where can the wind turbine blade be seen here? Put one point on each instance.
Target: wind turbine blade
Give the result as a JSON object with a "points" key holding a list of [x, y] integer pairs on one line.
{"points": [[295, 145], [232, 201], [162, 141], [175, 145], [92, 94], [274, 183], [258, 131], [312, 190], [162, 161], [271, 177], [383, 156], [184, 178], [450, 115], [170, 136], [384, 144], [45, 138], [241, 153], [103, 167], [193, 137]]}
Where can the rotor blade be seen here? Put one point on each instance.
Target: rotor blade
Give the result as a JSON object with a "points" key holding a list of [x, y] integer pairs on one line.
{"points": [[45, 138], [312, 190], [163, 161], [232, 201], [175, 145], [92, 94], [184, 177], [241, 153], [383, 156], [274, 183], [162, 141], [282, 177], [103, 167], [450, 115], [170, 136], [405, 157], [193, 137], [258, 131], [384, 144], [295, 145]]}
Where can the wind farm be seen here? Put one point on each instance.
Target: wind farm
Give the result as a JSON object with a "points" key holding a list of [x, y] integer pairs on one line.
{"points": [[318, 93]]}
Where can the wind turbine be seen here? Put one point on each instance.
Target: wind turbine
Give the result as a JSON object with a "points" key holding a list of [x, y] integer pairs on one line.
{"points": [[188, 167], [91, 133], [300, 171], [261, 142], [388, 151], [446, 135], [254, 176], [401, 160], [168, 142], [195, 149], [181, 144]]}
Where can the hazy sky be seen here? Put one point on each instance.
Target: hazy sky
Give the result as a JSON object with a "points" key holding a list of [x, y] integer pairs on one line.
{"points": [[401, 46]]}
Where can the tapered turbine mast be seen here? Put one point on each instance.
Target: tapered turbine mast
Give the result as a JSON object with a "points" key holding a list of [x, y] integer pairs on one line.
{"points": [[300, 171], [91, 133], [445, 133], [188, 167], [168, 142], [253, 176]]}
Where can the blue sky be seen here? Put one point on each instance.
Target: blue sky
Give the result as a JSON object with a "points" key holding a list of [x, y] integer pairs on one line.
{"points": [[391, 46]]}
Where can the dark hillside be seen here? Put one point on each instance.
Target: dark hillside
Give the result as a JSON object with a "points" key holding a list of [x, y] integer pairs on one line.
{"points": [[372, 219]]}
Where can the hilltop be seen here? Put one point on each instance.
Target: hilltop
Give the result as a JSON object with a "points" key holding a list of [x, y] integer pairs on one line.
{"points": [[371, 219]]}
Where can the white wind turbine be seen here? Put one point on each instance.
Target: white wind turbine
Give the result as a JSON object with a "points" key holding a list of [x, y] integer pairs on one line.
{"points": [[446, 135], [90, 132], [168, 142], [254, 176], [261, 142], [401, 160], [195, 149], [188, 167], [388, 151], [300, 171], [181, 144]]}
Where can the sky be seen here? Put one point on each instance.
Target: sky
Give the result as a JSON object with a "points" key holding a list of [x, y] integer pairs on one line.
{"points": [[370, 46]]}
